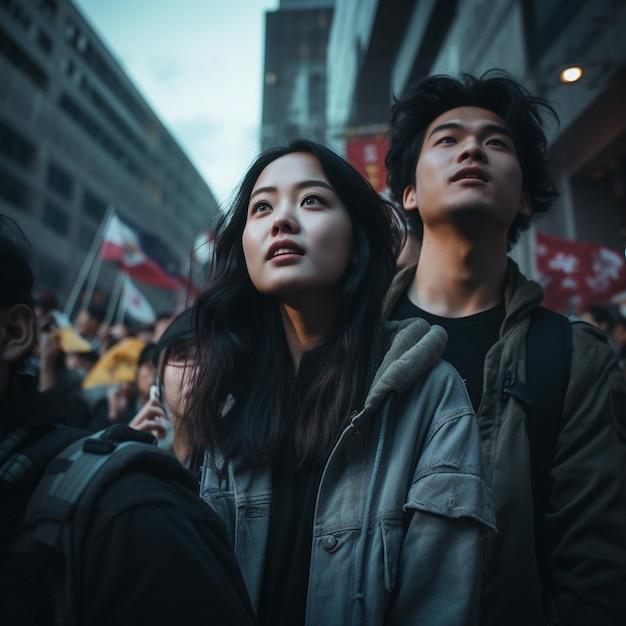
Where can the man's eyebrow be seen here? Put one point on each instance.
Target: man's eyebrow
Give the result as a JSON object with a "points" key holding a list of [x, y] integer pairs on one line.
{"points": [[488, 128], [313, 182]]}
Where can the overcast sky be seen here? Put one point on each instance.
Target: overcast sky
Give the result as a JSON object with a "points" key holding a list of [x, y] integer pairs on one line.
{"points": [[199, 64]]}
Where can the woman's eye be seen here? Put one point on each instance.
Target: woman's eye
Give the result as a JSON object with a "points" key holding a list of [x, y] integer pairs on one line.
{"points": [[312, 201], [446, 140], [260, 207]]}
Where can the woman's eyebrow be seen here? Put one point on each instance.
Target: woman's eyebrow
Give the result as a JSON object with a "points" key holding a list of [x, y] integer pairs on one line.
{"points": [[313, 182]]}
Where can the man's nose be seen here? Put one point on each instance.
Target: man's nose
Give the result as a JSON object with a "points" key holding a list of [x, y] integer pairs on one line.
{"points": [[472, 150]]}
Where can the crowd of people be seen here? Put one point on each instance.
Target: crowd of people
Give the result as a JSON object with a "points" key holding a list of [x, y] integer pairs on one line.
{"points": [[351, 394]]}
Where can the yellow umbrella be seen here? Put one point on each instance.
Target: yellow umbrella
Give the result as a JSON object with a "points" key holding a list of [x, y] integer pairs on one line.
{"points": [[71, 341], [117, 365]]}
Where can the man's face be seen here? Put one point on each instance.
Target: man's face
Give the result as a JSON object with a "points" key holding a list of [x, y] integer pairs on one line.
{"points": [[468, 172]]}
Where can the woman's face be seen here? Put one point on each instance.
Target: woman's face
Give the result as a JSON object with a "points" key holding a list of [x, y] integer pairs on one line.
{"points": [[176, 378], [298, 234]]}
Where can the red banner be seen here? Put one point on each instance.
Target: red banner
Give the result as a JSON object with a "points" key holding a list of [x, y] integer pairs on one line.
{"points": [[575, 274], [367, 154]]}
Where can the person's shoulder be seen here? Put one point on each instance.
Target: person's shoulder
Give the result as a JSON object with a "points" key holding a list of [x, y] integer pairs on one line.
{"points": [[143, 488], [590, 346]]}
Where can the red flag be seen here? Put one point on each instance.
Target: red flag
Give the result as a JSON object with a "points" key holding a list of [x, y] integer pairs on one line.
{"points": [[367, 154], [122, 243], [575, 274]]}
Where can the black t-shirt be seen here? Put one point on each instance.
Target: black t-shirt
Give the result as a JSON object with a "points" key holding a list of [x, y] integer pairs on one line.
{"points": [[294, 491], [469, 340]]}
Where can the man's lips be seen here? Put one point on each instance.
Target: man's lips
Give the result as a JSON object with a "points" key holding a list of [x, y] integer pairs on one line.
{"points": [[470, 172], [283, 247]]}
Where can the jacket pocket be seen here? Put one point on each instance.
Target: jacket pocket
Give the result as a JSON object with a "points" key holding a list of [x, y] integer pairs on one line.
{"points": [[391, 538]]}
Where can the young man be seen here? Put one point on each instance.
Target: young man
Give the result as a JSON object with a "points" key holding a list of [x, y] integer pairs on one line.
{"points": [[154, 553], [467, 159]]}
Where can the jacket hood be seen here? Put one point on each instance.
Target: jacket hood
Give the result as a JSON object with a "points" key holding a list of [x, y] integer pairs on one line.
{"points": [[414, 347]]}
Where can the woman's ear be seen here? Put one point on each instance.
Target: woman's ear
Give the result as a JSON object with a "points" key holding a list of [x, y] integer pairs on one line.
{"points": [[409, 199], [18, 338]]}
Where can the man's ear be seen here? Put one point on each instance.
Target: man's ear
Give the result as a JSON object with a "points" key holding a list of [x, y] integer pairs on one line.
{"points": [[409, 199], [525, 207], [19, 336]]}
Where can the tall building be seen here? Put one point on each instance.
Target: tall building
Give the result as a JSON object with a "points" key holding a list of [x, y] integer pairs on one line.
{"points": [[77, 137], [377, 47], [294, 94]]}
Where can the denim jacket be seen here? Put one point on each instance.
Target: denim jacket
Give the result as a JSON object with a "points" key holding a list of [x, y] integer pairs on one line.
{"points": [[402, 504]]}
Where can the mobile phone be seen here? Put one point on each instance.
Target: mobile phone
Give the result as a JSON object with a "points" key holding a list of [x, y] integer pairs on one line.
{"points": [[154, 392]]}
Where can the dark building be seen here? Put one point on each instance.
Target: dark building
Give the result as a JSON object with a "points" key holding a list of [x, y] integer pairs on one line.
{"points": [[294, 95], [76, 137]]}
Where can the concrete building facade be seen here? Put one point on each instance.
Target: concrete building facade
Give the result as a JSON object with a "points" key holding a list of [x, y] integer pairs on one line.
{"points": [[77, 137]]}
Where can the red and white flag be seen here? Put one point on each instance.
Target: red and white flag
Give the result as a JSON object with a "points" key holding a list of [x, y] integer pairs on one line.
{"points": [[575, 274], [135, 304], [122, 243]]}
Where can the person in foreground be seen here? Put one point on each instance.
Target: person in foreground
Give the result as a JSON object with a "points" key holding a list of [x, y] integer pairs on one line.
{"points": [[342, 453], [154, 553], [467, 159]]}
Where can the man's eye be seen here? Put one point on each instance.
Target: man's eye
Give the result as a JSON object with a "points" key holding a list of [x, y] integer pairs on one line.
{"points": [[498, 142]]}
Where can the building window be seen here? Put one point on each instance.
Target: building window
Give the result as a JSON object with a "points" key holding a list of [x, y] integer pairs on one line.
{"points": [[60, 181], [98, 134], [10, 49], [44, 41], [93, 207], [16, 147], [48, 7], [85, 237], [50, 274], [55, 218], [14, 191]]}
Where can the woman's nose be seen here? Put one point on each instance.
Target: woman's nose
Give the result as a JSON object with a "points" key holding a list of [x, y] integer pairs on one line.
{"points": [[284, 221]]}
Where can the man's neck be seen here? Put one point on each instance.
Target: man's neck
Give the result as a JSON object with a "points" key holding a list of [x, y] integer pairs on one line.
{"points": [[457, 278]]}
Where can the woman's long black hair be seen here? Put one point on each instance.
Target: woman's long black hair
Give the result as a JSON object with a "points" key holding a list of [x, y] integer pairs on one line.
{"points": [[242, 348]]}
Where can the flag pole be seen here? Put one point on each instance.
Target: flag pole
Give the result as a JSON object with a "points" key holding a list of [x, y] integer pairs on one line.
{"points": [[116, 294], [89, 262]]}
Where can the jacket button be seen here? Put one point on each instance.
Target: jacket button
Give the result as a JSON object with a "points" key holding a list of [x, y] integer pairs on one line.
{"points": [[330, 543]]}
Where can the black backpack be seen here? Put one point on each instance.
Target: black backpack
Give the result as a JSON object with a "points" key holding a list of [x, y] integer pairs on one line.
{"points": [[61, 507]]}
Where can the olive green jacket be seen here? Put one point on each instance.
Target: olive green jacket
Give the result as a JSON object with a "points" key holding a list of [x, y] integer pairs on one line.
{"points": [[584, 530]]}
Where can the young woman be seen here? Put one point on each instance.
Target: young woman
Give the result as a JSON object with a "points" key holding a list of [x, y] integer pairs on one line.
{"points": [[342, 454]]}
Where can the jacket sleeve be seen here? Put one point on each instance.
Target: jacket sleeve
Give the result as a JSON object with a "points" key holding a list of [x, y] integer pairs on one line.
{"points": [[442, 585], [585, 524]]}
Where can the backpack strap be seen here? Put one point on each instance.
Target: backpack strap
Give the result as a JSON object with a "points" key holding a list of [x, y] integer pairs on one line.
{"points": [[548, 366]]}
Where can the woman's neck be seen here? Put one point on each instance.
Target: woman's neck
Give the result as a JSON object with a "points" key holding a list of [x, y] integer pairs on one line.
{"points": [[306, 327]]}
